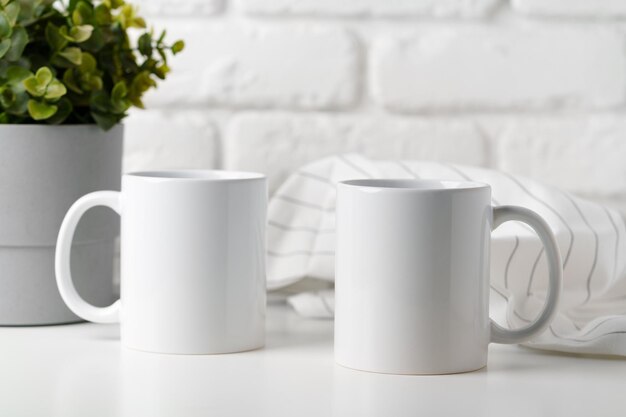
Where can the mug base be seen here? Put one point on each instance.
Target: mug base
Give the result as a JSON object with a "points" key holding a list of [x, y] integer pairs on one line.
{"points": [[413, 372], [196, 353]]}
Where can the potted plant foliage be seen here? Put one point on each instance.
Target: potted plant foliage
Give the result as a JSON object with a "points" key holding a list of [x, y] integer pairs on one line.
{"points": [[68, 75]]}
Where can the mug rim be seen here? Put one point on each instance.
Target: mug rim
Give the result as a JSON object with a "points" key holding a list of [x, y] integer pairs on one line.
{"points": [[199, 175], [415, 185]]}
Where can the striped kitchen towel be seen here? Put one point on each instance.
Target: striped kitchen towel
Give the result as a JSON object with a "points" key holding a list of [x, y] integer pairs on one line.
{"points": [[592, 239]]}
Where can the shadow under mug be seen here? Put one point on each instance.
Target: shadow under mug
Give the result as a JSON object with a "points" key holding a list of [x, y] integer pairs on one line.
{"points": [[192, 261], [412, 275]]}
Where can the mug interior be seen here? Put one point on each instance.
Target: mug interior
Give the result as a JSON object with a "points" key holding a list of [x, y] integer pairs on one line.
{"points": [[211, 175], [415, 184]]}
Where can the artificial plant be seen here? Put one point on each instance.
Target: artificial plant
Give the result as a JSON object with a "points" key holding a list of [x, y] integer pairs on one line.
{"points": [[73, 62]]}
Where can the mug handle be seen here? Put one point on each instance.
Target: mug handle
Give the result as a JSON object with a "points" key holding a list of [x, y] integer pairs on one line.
{"points": [[507, 213], [66, 286]]}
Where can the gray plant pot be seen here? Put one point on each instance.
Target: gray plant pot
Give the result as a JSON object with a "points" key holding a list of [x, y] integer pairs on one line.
{"points": [[43, 170]]}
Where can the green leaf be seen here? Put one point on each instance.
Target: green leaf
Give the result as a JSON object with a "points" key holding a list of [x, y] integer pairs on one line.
{"points": [[94, 82], [144, 44], [119, 91], [105, 121], [55, 90], [76, 33], [37, 84], [44, 76], [178, 46], [70, 82], [140, 84], [162, 54], [34, 87], [13, 11], [5, 45], [5, 25], [63, 111], [100, 102], [54, 37], [114, 4], [72, 5], [73, 55], [126, 16], [80, 33], [7, 98], [4, 118], [162, 71], [20, 105], [39, 110], [162, 37], [119, 107], [82, 14], [118, 97], [19, 39], [88, 63], [15, 75], [96, 42], [27, 12], [136, 101], [138, 22], [103, 15]]}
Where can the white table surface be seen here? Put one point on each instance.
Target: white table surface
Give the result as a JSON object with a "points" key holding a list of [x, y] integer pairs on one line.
{"points": [[81, 370]]}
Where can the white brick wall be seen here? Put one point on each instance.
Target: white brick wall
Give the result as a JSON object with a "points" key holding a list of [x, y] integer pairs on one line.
{"points": [[582, 154], [183, 8], [283, 142], [371, 8], [500, 68], [534, 87], [573, 8], [170, 139], [256, 65]]}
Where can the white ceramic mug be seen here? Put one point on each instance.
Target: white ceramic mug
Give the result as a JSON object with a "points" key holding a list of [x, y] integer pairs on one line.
{"points": [[412, 276], [192, 261]]}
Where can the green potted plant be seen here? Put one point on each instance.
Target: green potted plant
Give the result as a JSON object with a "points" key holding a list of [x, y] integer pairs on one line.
{"points": [[69, 72]]}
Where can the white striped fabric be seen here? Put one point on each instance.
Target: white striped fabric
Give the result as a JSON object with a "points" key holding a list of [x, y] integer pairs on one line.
{"points": [[592, 239]]}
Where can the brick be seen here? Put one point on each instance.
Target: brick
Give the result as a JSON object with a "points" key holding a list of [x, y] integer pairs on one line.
{"points": [[371, 8], [278, 144], [159, 139], [571, 8], [249, 66], [582, 154], [500, 68], [178, 7]]}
